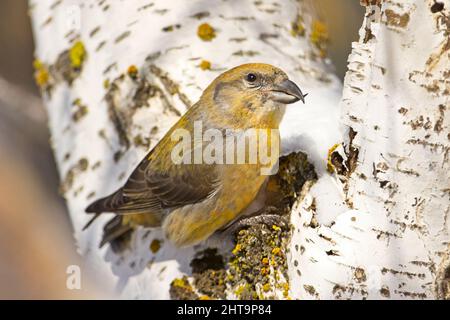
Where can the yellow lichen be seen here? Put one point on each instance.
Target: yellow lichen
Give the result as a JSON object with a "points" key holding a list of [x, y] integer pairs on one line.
{"points": [[37, 64], [106, 83], [180, 288], [239, 290], [273, 262], [236, 249], [206, 32], [80, 110], [155, 245], [204, 297], [77, 54], [330, 166], [276, 250], [132, 71], [181, 283], [41, 75], [265, 261], [319, 36], [266, 287], [276, 228], [205, 65]]}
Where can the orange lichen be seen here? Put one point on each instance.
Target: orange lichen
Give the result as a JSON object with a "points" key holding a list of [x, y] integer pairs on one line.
{"points": [[41, 74], [319, 36], [132, 71], [276, 251], [286, 290], [205, 65], [206, 32]]}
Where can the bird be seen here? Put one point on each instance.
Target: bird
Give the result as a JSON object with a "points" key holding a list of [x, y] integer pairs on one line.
{"points": [[191, 201]]}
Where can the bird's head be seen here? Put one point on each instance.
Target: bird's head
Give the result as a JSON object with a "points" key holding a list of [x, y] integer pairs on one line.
{"points": [[253, 91]]}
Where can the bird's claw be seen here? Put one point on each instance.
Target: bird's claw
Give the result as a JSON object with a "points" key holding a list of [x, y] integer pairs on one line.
{"points": [[265, 218]]}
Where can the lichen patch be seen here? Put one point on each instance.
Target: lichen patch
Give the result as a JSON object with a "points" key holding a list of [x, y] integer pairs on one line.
{"points": [[256, 268], [206, 32]]}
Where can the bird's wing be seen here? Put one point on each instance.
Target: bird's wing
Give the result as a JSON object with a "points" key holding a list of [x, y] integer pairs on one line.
{"points": [[157, 183], [149, 190], [182, 185]]}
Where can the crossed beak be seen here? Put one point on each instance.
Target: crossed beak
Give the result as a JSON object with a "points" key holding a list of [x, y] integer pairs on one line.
{"points": [[287, 92]]}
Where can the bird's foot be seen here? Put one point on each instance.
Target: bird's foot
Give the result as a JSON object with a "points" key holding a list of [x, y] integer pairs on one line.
{"points": [[268, 219]]}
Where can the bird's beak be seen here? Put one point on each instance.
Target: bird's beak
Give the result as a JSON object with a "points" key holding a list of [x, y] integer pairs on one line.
{"points": [[287, 92]]}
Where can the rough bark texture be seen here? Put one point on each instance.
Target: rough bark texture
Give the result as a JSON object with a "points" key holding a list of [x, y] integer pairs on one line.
{"points": [[391, 237]]}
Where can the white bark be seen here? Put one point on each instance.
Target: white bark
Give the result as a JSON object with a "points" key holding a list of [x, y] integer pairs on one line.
{"points": [[357, 234], [391, 239]]}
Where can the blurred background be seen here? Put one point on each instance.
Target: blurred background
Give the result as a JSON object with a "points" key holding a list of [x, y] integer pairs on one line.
{"points": [[36, 243]]}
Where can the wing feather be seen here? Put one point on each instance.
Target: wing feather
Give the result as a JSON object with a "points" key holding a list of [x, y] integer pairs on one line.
{"points": [[153, 187]]}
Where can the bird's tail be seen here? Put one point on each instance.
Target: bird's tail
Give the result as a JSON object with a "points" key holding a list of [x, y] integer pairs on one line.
{"points": [[118, 230], [116, 233], [107, 204], [90, 221]]}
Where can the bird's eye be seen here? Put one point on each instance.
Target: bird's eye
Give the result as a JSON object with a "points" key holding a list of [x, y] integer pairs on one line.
{"points": [[251, 77]]}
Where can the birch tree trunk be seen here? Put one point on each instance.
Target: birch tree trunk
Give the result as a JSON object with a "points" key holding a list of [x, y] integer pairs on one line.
{"points": [[390, 237], [115, 77]]}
